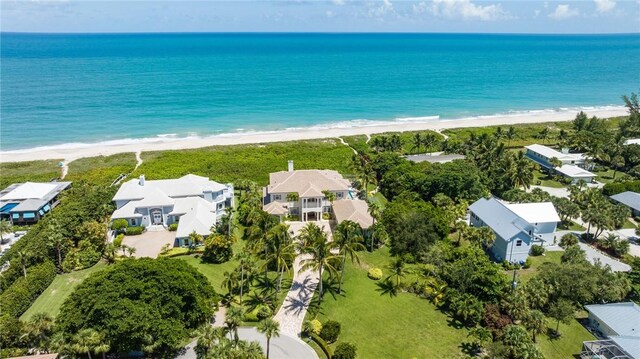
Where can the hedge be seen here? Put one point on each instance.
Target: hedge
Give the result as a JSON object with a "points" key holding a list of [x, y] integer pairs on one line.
{"points": [[25, 290], [134, 230], [321, 343], [613, 188]]}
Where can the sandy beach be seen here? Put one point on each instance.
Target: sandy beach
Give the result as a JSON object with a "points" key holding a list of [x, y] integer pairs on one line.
{"points": [[75, 151]]}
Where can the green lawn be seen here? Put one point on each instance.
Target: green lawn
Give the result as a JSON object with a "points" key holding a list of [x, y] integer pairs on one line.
{"points": [[378, 199], [382, 327], [523, 275], [572, 227], [628, 225], [570, 341], [52, 298], [607, 176], [542, 179]]}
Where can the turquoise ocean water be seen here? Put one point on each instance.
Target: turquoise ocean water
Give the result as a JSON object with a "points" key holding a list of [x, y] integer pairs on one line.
{"points": [[66, 89]]}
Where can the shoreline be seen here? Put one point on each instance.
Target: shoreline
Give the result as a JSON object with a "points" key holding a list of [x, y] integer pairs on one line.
{"points": [[70, 152]]}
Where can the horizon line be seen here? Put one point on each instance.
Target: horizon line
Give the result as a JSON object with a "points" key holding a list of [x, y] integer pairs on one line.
{"points": [[311, 33]]}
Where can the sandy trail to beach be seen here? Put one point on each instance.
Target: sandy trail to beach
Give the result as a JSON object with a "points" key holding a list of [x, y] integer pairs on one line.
{"points": [[92, 150]]}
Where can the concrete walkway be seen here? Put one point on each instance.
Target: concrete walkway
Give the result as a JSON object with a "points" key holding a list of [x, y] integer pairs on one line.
{"points": [[291, 314]]}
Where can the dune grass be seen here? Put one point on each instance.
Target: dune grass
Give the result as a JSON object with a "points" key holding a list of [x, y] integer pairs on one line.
{"points": [[101, 170], [33, 171], [52, 298]]}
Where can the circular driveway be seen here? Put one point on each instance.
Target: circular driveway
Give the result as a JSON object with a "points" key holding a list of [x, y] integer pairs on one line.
{"points": [[283, 347]]}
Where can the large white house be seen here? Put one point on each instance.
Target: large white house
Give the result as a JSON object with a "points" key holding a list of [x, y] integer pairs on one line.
{"points": [[195, 203], [517, 226], [573, 165], [300, 193], [26, 203], [619, 325]]}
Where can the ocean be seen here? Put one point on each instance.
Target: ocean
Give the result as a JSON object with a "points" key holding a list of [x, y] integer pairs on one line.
{"points": [[65, 89]]}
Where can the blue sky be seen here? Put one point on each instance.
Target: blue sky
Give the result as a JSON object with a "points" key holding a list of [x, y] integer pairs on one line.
{"points": [[586, 16]]}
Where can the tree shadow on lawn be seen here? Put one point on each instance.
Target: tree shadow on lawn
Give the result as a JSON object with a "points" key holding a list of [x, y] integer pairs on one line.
{"points": [[454, 323], [469, 348]]}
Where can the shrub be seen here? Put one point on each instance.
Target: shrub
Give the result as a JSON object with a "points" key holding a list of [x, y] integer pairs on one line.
{"points": [[173, 227], [344, 351], [568, 240], [118, 240], [322, 344], [251, 316], [375, 273], [527, 263], [21, 294], [537, 250], [264, 312], [134, 230], [317, 326], [217, 249], [330, 331], [326, 216], [119, 224]]}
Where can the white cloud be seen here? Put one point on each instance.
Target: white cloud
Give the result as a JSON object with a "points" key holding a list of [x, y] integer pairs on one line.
{"points": [[338, 2], [605, 5], [420, 8], [564, 11], [536, 13], [380, 11], [329, 13], [467, 10]]}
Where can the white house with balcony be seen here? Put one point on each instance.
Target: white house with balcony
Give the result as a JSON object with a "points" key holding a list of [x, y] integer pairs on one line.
{"points": [[300, 193], [573, 165], [195, 203], [517, 226]]}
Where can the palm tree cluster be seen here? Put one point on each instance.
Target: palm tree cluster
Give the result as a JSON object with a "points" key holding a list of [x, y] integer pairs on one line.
{"points": [[364, 173], [384, 143], [426, 141]]}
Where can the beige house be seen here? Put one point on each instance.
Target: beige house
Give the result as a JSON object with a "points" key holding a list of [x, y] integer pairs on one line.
{"points": [[301, 193]]}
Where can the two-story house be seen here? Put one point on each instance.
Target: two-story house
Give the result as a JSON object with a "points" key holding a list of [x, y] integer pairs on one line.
{"points": [[517, 226], [301, 193], [195, 203], [571, 165]]}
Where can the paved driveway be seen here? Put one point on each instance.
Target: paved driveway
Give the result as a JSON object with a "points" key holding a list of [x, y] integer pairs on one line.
{"points": [[283, 347], [150, 243], [593, 255]]}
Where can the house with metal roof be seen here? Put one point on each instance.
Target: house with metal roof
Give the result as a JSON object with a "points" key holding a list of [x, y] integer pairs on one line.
{"points": [[629, 199], [195, 203], [438, 157], [573, 165], [618, 324], [26, 203], [517, 226], [301, 193]]}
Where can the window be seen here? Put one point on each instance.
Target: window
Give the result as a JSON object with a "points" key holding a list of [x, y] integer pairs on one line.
{"points": [[220, 206], [519, 243], [41, 212], [15, 215], [530, 233], [340, 195], [46, 208], [27, 215], [277, 197], [133, 222]]}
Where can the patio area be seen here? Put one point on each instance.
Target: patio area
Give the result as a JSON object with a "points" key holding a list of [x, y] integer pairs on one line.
{"points": [[150, 243]]}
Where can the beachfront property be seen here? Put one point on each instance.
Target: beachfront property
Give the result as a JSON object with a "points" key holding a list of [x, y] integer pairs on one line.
{"points": [[195, 203], [438, 157], [300, 194], [25, 203], [517, 226], [629, 199], [573, 166], [618, 326]]}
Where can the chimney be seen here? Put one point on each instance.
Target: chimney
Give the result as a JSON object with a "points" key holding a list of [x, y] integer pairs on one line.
{"points": [[290, 166], [141, 180], [564, 150]]}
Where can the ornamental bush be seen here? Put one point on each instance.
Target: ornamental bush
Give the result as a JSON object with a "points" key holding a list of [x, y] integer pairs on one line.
{"points": [[173, 227], [537, 250], [344, 350], [118, 240], [330, 331], [568, 240], [119, 224], [134, 230], [264, 312], [317, 326], [374, 273]]}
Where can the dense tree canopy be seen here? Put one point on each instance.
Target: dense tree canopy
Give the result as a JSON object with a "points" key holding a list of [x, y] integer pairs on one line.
{"points": [[142, 304]]}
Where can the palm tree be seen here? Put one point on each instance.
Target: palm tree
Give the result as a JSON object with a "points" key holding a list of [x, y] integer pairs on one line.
{"points": [[398, 270], [282, 250], [361, 166], [85, 341], [38, 330], [329, 196], [416, 141], [544, 134], [23, 259], [315, 243], [230, 281], [521, 171], [499, 133], [511, 135], [375, 212], [536, 322], [348, 238], [261, 223], [5, 228], [57, 242], [208, 338], [235, 316], [270, 328], [245, 262]]}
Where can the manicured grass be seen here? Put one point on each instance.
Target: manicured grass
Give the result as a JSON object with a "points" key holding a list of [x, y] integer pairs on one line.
{"points": [[383, 327], [628, 225], [33, 171], [52, 298], [573, 226], [606, 176], [378, 199], [545, 180], [570, 341], [523, 275]]}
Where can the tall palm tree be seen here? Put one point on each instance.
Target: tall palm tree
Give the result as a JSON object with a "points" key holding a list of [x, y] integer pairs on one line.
{"points": [[245, 263], [511, 135], [270, 328], [375, 212], [348, 238], [416, 142], [361, 166], [461, 227], [281, 250], [521, 171], [37, 331], [398, 270], [208, 338], [315, 243], [235, 316], [261, 224], [544, 134], [536, 322], [57, 242], [22, 257], [429, 140], [5, 228], [85, 341]]}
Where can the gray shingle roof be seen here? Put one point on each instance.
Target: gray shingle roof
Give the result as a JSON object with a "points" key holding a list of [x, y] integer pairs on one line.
{"points": [[629, 199]]}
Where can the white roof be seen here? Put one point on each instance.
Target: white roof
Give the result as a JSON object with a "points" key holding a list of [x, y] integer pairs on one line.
{"points": [[543, 212], [549, 153], [574, 171], [189, 185], [199, 216], [632, 141], [29, 190], [622, 318], [127, 211], [309, 182]]}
